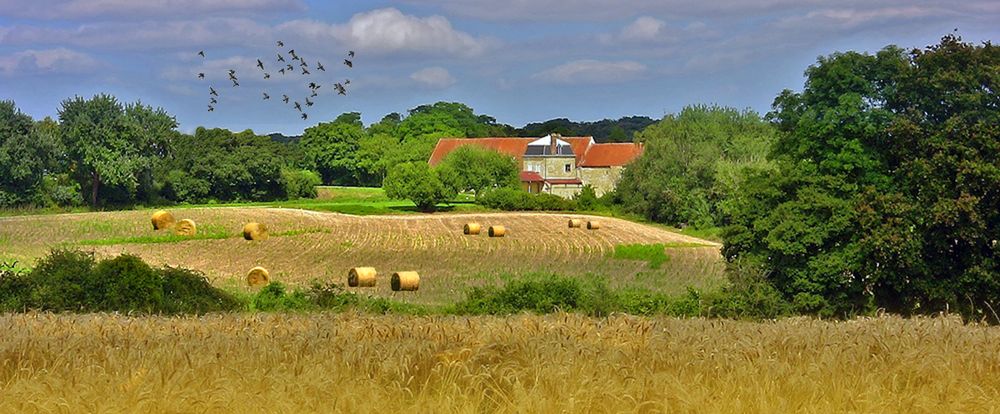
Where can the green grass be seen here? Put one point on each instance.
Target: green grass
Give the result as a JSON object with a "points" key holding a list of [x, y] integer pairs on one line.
{"points": [[654, 254], [173, 238]]}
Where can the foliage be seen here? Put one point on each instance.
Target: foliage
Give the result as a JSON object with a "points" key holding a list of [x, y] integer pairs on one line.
{"points": [[693, 163], [216, 164], [417, 182], [605, 130], [654, 254], [300, 183], [331, 148], [885, 190], [477, 169], [515, 199], [67, 280], [113, 145], [28, 150]]}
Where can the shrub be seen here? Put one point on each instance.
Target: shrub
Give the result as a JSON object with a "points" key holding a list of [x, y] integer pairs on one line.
{"points": [[68, 280], [300, 183], [274, 297], [417, 182], [513, 199]]}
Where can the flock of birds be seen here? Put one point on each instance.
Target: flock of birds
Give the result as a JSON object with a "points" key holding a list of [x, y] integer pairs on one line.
{"points": [[285, 68]]}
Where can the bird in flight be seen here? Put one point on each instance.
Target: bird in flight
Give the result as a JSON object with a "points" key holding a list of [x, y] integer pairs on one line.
{"points": [[284, 98], [281, 58], [302, 62], [314, 94], [314, 86], [309, 103], [211, 108], [201, 75], [349, 63], [212, 100], [340, 88], [304, 71], [281, 71], [267, 75], [320, 66], [350, 53], [201, 53], [260, 64], [235, 83], [305, 115], [294, 56], [281, 44], [212, 91], [266, 96], [297, 106], [290, 68]]}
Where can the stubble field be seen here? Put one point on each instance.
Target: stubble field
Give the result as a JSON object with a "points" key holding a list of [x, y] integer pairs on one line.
{"points": [[307, 245]]}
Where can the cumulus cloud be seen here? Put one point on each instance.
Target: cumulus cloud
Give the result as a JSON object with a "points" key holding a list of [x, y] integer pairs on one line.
{"points": [[644, 28], [48, 61], [389, 30], [433, 77], [592, 71], [81, 9]]}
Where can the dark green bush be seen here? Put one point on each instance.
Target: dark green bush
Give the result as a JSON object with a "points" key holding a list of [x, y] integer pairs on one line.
{"points": [[514, 199], [68, 280], [275, 297], [300, 183]]}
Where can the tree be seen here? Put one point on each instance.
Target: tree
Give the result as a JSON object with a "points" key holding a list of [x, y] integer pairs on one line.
{"points": [[885, 190], [417, 182], [476, 169], [112, 144], [222, 165], [693, 162], [331, 148], [22, 158]]}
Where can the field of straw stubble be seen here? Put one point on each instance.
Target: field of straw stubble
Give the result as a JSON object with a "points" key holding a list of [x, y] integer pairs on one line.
{"points": [[308, 245], [554, 363]]}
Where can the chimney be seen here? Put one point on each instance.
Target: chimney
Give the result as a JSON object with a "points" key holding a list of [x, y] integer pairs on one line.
{"points": [[553, 142]]}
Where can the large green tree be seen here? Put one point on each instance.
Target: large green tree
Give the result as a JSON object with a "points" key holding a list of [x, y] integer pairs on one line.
{"points": [[111, 144], [477, 169], [886, 189], [331, 148], [25, 154], [693, 162], [417, 182]]}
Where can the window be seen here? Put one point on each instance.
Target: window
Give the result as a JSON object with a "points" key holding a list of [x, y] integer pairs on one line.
{"points": [[569, 167]]}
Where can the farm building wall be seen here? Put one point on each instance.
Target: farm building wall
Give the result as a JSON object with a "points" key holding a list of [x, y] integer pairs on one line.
{"points": [[603, 179]]}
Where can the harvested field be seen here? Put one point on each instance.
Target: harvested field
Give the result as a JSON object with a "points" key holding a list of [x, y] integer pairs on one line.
{"points": [[554, 363], [306, 246]]}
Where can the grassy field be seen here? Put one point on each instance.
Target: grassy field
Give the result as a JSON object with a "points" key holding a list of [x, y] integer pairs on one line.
{"points": [[308, 245], [554, 363]]}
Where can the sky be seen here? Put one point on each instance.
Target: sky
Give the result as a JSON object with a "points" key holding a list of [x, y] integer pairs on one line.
{"points": [[519, 61]]}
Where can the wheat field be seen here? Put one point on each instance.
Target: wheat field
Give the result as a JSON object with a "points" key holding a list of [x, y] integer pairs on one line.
{"points": [[308, 246], [556, 363]]}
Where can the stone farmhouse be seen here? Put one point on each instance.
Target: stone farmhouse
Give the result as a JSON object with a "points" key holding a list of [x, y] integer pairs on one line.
{"points": [[555, 164]]}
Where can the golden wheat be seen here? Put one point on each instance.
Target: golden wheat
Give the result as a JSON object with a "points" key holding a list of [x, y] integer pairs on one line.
{"points": [[554, 363]]}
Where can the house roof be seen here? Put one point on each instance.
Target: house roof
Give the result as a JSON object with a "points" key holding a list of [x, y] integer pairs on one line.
{"points": [[610, 155], [531, 177], [586, 152], [564, 181]]}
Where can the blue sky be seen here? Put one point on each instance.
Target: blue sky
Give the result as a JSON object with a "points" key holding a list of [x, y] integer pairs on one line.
{"points": [[518, 60]]}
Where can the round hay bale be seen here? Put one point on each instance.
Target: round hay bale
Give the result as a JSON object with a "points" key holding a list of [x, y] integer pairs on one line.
{"points": [[255, 231], [185, 227], [361, 277], [162, 219], [406, 281], [497, 231], [575, 223], [472, 228], [258, 276], [593, 224]]}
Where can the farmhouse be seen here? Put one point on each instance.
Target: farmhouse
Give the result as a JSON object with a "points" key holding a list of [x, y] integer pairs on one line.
{"points": [[555, 164]]}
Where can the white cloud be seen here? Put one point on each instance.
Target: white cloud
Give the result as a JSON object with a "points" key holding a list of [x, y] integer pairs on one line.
{"points": [[78, 9], [592, 71], [433, 77], [847, 19], [643, 29], [384, 31], [49, 61]]}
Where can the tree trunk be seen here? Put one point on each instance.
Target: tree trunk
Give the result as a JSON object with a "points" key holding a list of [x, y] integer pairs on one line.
{"points": [[95, 182]]}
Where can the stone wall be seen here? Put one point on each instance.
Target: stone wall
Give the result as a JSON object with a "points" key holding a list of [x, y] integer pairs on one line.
{"points": [[602, 179]]}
